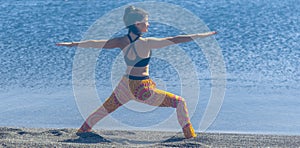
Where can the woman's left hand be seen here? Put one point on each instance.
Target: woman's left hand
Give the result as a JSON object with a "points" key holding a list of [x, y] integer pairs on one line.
{"points": [[68, 44]]}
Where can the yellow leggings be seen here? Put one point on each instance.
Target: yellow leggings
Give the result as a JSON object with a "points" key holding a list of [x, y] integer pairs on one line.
{"points": [[143, 91]]}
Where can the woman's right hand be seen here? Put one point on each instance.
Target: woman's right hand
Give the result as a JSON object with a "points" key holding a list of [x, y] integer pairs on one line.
{"points": [[208, 33]]}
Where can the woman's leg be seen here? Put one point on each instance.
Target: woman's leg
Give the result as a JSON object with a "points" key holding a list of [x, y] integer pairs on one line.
{"points": [[119, 97], [147, 93], [171, 100], [110, 105]]}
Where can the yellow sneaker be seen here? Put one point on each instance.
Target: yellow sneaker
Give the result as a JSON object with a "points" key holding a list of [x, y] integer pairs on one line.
{"points": [[189, 131]]}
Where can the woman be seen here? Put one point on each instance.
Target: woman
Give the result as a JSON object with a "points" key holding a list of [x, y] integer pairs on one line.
{"points": [[136, 84]]}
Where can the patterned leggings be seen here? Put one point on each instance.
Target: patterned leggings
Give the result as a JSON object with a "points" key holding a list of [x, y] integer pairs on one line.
{"points": [[143, 91]]}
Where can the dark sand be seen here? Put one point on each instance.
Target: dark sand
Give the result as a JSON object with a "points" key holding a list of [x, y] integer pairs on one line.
{"points": [[26, 137]]}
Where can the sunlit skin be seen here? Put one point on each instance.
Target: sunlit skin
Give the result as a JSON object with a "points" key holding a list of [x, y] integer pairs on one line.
{"points": [[123, 42]]}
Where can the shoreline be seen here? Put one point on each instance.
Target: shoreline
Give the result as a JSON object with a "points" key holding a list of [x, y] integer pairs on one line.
{"points": [[66, 137]]}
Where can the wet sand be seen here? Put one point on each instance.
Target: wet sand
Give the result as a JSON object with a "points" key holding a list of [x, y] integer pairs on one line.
{"points": [[37, 137]]}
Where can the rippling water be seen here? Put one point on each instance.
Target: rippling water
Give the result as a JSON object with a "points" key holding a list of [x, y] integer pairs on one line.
{"points": [[259, 41]]}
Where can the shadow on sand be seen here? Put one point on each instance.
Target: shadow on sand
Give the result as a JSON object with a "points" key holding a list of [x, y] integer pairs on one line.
{"points": [[178, 141], [88, 137], [174, 139]]}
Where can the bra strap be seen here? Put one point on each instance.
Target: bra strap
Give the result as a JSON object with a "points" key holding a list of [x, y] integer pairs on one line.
{"points": [[131, 41], [132, 44]]}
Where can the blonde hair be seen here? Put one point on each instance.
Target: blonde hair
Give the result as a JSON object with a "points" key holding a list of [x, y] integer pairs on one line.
{"points": [[133, 14]]}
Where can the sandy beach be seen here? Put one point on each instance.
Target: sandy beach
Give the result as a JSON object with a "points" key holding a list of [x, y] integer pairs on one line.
{"points": [[40, 137]]}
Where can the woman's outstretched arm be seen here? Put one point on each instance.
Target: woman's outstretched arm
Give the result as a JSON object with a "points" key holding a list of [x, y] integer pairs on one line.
{"points": [[112, 43], [163, 42]]}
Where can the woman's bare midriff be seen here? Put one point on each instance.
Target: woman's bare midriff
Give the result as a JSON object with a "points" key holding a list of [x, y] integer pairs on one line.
{"points": [[137, 71]]}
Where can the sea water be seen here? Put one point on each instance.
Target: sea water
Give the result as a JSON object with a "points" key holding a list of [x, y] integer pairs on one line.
{"points": [[260, 48]]}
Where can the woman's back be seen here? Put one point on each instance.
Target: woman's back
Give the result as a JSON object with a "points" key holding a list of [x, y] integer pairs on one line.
{"points": [[136, 55]]}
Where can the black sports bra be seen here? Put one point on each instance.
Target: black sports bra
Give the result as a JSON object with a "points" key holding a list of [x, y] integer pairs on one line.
{"points": [[138, 61]]}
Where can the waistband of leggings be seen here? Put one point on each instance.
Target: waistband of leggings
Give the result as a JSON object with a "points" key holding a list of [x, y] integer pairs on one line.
{"points": [[131, 77]]}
